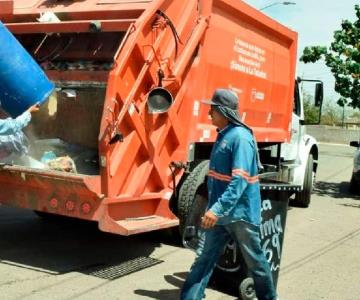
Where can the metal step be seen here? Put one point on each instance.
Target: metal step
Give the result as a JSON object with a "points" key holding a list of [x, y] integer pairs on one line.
{"points": [[137, 225]]}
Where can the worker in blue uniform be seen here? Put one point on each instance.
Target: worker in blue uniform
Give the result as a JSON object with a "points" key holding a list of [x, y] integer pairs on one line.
{"points": [[233, 210], [13, 141]]}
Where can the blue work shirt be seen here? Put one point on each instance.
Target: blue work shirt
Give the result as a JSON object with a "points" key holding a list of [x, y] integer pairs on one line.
{"points": [[233, 183], [12, 139], [12, 126]]}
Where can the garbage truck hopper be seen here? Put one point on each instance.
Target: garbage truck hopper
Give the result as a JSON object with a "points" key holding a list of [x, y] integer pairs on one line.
{"points": [[130, 77]]}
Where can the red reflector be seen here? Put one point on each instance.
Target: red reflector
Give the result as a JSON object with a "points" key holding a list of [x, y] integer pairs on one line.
{"points": [[54, 203], [70, 205], [86, 207]]}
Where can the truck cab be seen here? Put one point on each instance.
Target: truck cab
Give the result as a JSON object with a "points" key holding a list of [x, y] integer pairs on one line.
{"points": [[298, 158]]}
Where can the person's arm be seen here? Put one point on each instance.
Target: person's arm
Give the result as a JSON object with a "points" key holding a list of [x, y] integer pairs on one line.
{"points": [[14, 143], [242, 158], [11, 126]]}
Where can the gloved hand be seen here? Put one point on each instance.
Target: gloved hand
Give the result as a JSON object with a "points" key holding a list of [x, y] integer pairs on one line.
{"points": [[34, 108]]}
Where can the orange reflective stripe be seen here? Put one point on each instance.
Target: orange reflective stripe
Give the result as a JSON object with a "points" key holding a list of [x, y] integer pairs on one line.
{"points": [[235, 172], [219, 176], [240, 171], [245, 175], [253, 179]]}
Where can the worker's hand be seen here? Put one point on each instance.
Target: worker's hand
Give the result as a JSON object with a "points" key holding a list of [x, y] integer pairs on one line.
{"points": [[208, 220], [34, 108]]}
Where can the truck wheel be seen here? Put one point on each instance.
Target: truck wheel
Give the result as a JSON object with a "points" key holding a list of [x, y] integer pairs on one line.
{"points": [[353, 188], [302, 199], [188, 191], [247, 289]]}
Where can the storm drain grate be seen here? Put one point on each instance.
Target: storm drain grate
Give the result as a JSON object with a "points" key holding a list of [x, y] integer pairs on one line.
{"points": [[131, 266]]}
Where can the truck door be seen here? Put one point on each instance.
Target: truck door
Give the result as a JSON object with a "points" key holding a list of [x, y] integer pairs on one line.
{"points": [[289, 151]]}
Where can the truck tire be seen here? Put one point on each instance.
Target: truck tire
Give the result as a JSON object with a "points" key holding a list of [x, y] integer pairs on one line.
{"points": [[302, 199], [188, 192], [247, 289], [353, 187]]}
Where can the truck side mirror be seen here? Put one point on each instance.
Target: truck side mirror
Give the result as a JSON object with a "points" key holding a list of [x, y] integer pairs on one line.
{"points": [[159, 100], [319, 94]]}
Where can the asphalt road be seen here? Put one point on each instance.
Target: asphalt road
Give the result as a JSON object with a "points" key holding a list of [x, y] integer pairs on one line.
{"points": [[73, 260]]}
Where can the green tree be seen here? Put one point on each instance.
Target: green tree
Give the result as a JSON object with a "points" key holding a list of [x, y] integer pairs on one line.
{"points": [[343, 59], [355, 115], [311, 112], [331, 114]]}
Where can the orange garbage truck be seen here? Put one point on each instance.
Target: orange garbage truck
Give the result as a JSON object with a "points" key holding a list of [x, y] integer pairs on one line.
{"points": [[130, 77]]}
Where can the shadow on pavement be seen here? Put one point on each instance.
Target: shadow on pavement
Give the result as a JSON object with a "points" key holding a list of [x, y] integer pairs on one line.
{"points": [[177, 280], [334, 190], [64, 246], [219, 282]]}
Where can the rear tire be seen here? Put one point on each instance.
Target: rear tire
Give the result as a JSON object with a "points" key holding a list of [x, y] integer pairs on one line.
{"points": [[188, 191], [302, 199], [353, 188]]}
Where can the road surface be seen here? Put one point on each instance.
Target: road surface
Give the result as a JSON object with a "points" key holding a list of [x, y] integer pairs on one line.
{"points": [[73, 260]]}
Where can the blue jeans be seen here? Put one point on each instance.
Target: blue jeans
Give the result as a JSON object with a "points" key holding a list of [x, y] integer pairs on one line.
{"points": [[247, 238]]}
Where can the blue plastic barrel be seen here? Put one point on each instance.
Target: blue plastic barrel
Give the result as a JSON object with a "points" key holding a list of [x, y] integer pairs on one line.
{"points": [[22, 81]]}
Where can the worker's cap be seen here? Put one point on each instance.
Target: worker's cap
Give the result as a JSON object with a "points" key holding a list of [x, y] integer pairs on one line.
{"points": [[226, 103], [225, 98]]}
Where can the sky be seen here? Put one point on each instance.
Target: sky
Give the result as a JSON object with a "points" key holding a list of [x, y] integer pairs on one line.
{"points": [[315, 21]]}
